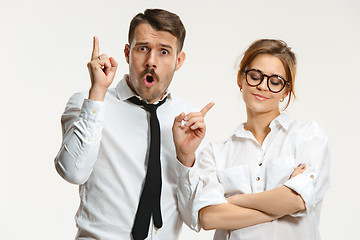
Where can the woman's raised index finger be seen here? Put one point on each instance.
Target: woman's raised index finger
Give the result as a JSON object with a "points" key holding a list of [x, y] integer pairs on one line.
{"points": [[95, 52], [207, 108]]}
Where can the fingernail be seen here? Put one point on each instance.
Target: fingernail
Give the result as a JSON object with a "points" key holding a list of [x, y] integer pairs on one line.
{"points": [[300, 164], [186, 118], [182, 123]]}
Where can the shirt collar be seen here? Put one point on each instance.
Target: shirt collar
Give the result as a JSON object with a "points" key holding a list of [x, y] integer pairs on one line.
{"points": [[124, 92], [281, 121]]}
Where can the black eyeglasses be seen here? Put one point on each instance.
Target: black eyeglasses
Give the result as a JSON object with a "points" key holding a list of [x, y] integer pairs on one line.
{"points": [[275, 83]]}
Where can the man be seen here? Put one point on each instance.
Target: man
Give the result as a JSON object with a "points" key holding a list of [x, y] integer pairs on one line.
{"points": [[107, 144]]}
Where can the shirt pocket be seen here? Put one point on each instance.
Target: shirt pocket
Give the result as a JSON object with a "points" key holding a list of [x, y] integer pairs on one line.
{"points": [[279, 170], [235, 180]]}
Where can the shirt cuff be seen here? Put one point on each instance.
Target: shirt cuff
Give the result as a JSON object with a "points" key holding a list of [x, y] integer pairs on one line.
{"points": [[303, 184], [93, 110], [188, 175]]}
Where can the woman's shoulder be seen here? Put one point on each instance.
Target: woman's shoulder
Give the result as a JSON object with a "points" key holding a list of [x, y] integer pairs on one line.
{"points": [[308, 128], [228, 141]]}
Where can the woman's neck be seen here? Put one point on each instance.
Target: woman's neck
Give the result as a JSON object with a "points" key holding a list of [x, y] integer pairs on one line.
{"points": [[259, 124]]}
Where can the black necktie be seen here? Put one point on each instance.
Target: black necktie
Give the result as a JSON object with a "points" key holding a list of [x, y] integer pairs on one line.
{"points": [[149, 203]]}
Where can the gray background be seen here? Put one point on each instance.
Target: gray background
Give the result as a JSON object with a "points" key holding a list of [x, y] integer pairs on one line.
{"points": [[44, 49]]}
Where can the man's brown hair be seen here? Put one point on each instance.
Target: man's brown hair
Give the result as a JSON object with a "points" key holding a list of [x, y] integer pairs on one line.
{"points": [[160, 20]]}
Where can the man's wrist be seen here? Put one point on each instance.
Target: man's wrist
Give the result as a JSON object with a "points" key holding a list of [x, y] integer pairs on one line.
{"points": [[97, 93], [186, 160]]}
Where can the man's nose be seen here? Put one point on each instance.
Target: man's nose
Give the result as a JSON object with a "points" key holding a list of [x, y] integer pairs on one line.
{"points": [[151, 60]]}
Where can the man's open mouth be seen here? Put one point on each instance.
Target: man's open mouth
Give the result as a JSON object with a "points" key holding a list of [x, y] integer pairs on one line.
{"points": [[149, 80]]}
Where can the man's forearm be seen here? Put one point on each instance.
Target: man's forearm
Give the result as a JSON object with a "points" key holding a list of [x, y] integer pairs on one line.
{"points": [[82, 129], [279, 201]]}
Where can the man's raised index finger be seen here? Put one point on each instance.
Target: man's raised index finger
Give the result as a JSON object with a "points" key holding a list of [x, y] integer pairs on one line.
{"points": [[207, 108], [95, 52]]}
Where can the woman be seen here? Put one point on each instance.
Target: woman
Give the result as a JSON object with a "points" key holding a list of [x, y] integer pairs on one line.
{"points": [[268, 179]]}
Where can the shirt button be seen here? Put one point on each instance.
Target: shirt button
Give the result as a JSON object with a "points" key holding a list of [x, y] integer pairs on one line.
{"points": [[258, 178], [312, 176], [89, 139], [192, 175], [156, 231], [95, 111], [260, 164]]}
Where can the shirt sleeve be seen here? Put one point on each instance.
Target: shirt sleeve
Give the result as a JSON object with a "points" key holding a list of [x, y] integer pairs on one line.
{"points": [[315, 181], [82, 123], [199, 187]]}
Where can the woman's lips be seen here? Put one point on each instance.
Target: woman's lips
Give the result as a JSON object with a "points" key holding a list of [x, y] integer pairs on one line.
{"points": [[260, 97]]}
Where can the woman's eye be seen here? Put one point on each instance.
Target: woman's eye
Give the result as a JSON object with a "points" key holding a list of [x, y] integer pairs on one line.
{"points": [[164, 52], [275, 81], [253, 77]]}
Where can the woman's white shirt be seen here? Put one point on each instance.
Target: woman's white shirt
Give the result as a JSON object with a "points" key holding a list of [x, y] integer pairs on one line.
{"points": [[240, 165]]}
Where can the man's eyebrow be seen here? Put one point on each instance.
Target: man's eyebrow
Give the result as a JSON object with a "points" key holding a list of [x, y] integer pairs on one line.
{"points": [[141, 43], [147, 43], [166, 46]]}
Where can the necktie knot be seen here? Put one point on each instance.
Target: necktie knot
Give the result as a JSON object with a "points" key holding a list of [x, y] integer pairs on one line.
{"points": [[149, 107]]}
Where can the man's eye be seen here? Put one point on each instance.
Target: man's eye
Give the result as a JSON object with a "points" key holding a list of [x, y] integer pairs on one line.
{"points": [[142, 48], [164, 52]]}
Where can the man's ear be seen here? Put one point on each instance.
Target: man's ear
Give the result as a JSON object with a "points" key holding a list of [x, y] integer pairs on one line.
{"points": [[180, 60], [127, 52]]}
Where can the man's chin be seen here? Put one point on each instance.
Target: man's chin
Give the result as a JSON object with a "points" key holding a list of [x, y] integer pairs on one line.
{"points": [[151, 98]]}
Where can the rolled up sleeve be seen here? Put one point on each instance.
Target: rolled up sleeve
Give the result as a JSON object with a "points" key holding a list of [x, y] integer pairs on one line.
{"points": [[315, 181], [199, 187]]}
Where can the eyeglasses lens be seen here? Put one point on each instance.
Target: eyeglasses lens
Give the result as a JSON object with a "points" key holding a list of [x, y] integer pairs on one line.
{"points": [[276, 84], [254, 78]]}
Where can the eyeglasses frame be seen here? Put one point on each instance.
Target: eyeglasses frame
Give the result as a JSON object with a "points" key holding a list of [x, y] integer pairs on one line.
{"points": [[287, 83]]}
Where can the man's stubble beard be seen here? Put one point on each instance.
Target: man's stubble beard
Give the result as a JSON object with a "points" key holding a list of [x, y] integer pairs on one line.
{"points": [[138, 89]]}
